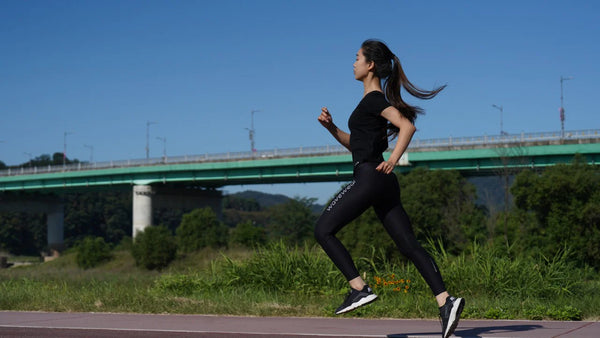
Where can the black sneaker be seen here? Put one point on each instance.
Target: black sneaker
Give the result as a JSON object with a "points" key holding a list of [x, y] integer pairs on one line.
{"points": [[356, 299], [450, 314]]}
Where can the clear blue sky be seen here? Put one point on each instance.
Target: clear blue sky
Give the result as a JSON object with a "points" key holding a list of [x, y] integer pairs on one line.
{"points": [[101, 69]]}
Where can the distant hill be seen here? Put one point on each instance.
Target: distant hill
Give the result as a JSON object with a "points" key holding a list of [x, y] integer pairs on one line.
{"points": [[490, 193], [265, 200], [268, 200]]}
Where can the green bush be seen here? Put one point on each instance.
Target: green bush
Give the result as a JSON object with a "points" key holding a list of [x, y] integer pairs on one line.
{"points": [[91, 252], [248, 234], [495, 313], [555, 313], [154, 248], [201, 228], [178, 284], [125, 244]]}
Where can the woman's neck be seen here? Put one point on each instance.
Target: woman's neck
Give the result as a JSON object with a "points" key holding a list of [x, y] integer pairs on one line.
{"points": [[371, 84]]}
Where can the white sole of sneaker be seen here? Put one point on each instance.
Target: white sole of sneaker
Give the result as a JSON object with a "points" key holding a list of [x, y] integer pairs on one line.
{"points": [[454, 316], [363, 301]]}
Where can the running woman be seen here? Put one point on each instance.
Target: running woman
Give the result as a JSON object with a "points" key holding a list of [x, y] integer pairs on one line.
{"points": [[380, 114]]}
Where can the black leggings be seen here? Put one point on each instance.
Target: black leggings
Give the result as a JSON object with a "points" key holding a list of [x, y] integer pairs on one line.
{"points": [[373, 188]]}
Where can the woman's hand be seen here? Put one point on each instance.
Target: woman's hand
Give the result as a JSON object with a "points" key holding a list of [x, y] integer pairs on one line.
{"points": [[385, 167], [325, 118], [405, 133], [326, 121]]}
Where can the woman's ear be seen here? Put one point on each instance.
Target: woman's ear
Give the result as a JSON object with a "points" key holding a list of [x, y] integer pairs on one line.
{"points": [[371, 66]]}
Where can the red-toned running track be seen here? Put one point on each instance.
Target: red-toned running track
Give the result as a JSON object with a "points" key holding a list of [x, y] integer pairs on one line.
{"points": [[64, 324]]}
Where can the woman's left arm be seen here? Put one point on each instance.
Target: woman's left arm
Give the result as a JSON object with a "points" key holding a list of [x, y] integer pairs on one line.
{"points": [[407, 130]]}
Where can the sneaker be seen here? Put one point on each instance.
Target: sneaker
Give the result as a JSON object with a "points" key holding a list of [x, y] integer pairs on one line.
{"points": [[356, 299], [450, 314]]}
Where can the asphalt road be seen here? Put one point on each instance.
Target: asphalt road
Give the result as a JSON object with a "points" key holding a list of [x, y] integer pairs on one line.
{"points": [[65, 324]]}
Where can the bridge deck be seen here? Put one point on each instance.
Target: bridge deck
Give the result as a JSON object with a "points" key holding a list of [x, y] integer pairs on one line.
{"points": [[330, 164]]}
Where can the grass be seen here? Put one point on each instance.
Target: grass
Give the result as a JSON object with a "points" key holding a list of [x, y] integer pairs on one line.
{"points": [[280, 281]]}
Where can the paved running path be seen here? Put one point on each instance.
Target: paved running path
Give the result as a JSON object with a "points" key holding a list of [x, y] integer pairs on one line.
{"points": [[65, 324]]}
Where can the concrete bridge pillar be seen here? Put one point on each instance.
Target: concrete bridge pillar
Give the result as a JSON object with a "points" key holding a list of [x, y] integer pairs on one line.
{"points": [[142, 208], [50, 205], [55, 224], [146, 197]]}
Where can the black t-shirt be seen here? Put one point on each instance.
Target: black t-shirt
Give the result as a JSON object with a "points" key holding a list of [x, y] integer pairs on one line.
{"points": [[368, 136]]}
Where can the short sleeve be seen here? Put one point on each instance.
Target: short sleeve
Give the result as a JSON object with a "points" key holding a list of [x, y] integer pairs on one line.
{"points": [[378, 103]]}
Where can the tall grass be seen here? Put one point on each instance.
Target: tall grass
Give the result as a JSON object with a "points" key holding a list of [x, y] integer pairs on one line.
{"points": [[501, 285], [496, 285], [492, 271], [280, 268], [278, 280]]}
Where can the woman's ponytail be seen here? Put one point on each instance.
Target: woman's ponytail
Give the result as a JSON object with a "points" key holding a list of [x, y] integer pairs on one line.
{"points": [[388, 67]]}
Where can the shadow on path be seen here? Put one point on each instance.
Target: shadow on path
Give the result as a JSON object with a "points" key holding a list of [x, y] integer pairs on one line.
{"points": [[474, 332]]}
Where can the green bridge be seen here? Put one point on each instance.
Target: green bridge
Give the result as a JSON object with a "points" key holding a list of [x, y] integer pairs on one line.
{"points": [[192, 180], [291, 169]]}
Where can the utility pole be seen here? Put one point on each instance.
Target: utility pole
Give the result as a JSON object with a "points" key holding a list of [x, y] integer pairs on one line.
{"points": [[65, 147], [164, 141], [91, 152], [251, 130], [148, 124], [502, 132], [562, 107]]}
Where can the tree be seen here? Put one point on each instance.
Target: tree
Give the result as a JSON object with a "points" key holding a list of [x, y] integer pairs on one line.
{"points": [[42, 160], [154, 248], [238, 209], [116, 215], [22, 233], [169, 217], [92, 252], [232, 217], [58, 158], [201, 228], [240, 203], [565, 200], [512, 160], [248, 234], [441, 206], [97, 214], [292, 221]]}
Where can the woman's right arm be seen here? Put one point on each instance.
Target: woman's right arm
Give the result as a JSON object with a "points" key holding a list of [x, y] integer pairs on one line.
{"points": [[327, 121]]}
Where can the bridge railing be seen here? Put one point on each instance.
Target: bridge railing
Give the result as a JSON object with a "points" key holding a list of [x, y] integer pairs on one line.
{"points": [[505, 139], [415, 145]]}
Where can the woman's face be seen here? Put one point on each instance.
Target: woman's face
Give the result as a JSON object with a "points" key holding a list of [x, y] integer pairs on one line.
{"points": [[361, 66]]}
